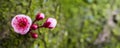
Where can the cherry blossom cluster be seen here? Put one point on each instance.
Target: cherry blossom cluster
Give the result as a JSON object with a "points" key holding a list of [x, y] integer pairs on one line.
{"points": [[22, 24]]}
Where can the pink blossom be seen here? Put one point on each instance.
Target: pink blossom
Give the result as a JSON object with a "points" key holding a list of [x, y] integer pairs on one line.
{"points": [[34, 35], [21, 24], [50, 23], [40, 16], [34, 26]]}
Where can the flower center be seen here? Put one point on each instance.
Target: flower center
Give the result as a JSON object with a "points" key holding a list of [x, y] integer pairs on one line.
{"points": [[23, 22]]}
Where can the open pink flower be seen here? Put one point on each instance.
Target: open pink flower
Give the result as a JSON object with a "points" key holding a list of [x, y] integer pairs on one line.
{"points": [[50, 23], [21, 24]]}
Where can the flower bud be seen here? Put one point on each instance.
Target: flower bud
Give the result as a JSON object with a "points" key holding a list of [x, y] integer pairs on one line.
{"points": [[50, 23], [34, 26], [34, 35], [40, 16]]}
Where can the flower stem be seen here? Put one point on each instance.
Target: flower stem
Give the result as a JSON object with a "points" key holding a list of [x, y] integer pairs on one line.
{"points": [[33, 21], [40, 26]]}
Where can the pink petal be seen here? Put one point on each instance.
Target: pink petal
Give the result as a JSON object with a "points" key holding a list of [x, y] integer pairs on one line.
{"points": [[40, 16], [50, 23]]}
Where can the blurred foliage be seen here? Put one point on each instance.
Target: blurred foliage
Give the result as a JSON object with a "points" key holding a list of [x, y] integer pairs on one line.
{"points": [[79, 23]]}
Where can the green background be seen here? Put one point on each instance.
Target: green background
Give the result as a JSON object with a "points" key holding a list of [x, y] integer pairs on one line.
{"points": [[79, 22]]}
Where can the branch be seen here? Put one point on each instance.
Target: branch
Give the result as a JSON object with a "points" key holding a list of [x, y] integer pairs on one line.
{"points": [[44, 43], [43, 38]]}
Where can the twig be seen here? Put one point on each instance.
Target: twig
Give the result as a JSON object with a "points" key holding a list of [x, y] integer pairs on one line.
{"points": [[44, 43]]}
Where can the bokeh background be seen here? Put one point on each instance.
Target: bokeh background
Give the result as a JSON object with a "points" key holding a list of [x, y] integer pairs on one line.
{"points": [[81, 23]]}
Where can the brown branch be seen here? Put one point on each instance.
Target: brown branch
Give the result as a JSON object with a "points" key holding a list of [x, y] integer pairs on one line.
{"points": [[45, 45], [43, 38]]}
